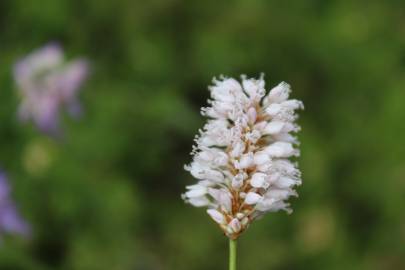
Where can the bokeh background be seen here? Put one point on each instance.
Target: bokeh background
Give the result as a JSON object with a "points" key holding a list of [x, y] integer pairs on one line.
{"points": [[107, 196]]}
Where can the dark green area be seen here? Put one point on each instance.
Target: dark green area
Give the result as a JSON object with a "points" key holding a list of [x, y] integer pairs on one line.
{"points": [[108, 196]]}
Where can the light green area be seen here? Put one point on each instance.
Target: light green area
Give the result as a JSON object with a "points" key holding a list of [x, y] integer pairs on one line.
{"points": [[233, 249]]}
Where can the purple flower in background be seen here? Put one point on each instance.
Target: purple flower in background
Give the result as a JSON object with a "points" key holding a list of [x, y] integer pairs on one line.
{"points": [[10, 220], [47, 83]]}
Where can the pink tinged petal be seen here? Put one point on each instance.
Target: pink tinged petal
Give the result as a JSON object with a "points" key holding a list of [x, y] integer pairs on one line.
{"points": [[205, 155], [252, 114], [258, 180], [221, 158], [222, 198], [237, 149], [214, 175], [232, 84], [225, 90], [207, 141], [278, 94], [276, 127], [274, 109], [224, 108], [202, 172], [254, 89], [206, 183], [246, 161], [210, 112], [286, 137], [199, 201], [285, 182], [281, 150], [253, 136], [252, 198], [250, 87], [212, 156], [293, 104], [264, 167], [279, 205], [261, 158], [260, 126], [217, 216], [237, 181], [278, 194], [274, 177], [265, 204], [225, 202], [196, 191], [235, 225], [285, 166]]}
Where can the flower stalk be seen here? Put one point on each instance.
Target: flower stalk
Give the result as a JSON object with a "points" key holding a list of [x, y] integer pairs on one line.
{"points": [[233, 246]]}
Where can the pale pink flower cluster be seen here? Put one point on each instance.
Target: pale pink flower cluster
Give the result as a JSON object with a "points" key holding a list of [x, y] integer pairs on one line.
{"points": [[47, 83], [242, 155]]}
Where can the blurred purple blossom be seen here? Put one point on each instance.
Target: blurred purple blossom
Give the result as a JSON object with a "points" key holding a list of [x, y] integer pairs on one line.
{"points": [[47, 84], [10, 219]]}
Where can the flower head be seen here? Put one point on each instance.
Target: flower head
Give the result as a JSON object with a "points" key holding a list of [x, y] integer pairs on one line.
{"points": [[10, 220], [242, 155], [46, 83]]}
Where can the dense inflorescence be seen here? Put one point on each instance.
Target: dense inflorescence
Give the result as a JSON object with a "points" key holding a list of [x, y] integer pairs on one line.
{"points": [[242, 155]]}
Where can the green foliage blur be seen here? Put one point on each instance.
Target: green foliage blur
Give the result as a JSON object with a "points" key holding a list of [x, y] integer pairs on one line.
{"points": [[108, 195]]}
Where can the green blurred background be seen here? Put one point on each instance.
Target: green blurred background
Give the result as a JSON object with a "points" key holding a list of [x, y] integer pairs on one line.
{"points": [[108, 196]]}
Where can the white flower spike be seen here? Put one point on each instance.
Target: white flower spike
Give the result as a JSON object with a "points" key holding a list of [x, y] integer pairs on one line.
{"points": [[242, 155]]}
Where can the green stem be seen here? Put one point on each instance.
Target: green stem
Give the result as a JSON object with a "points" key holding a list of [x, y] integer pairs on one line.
{"points": [[232, 254]]}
